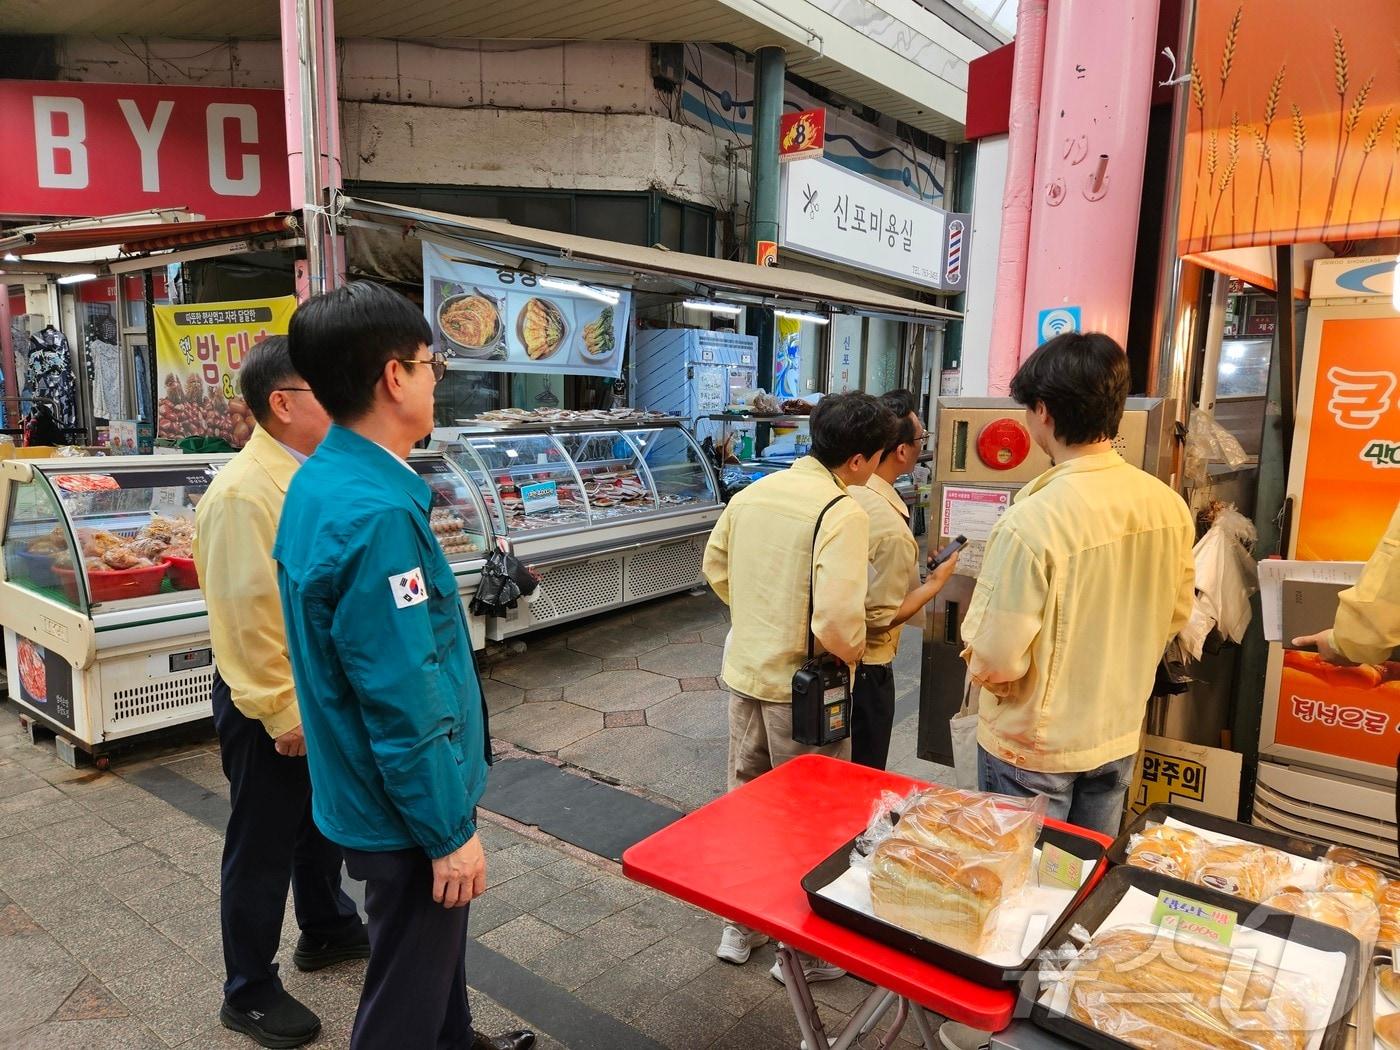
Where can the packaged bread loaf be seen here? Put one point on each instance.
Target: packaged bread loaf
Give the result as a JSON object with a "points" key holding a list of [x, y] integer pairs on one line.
{"points": [[1244, 869], [1354, 912], [935, 893], [1389, 904], [1346, 869], [1160, 992], [998, 831], [1166, 850]]}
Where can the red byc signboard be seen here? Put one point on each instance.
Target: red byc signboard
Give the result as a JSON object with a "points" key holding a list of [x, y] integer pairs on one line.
{"points": [[102, 149]]}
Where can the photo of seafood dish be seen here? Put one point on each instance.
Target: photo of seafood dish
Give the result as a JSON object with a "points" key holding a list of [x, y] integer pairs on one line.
{"points": [[31, 671], [597, 338], [542, 328], [471, 322]]}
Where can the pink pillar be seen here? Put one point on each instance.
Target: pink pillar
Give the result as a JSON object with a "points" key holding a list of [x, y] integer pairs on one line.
{"points": [[1095, 99], [1005, 350], [291, 104]]}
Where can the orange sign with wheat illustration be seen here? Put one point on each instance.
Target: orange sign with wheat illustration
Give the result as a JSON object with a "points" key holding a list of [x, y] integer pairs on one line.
{"points": [[1293, 132]]}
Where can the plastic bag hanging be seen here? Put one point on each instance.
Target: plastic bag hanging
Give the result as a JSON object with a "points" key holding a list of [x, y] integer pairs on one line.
{"points": [[505, 579], [1226, 577], [1208, 442]]}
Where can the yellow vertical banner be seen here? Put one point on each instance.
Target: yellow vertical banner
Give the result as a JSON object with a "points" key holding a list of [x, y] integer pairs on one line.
{"points": [[199, 350]]}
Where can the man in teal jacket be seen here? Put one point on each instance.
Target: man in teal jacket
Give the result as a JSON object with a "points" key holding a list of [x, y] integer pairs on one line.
{"points": [[391, 705]]}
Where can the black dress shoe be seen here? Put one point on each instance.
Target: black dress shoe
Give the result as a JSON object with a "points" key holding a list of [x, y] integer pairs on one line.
{"points": [[316, 953], [287, 1023], [521, 1039]]}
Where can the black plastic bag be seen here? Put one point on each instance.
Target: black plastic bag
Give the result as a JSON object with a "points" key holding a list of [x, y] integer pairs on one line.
{"points": [[505, 579]]}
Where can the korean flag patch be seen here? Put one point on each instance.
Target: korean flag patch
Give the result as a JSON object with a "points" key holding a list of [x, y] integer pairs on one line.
{"points": [[408, 588]]}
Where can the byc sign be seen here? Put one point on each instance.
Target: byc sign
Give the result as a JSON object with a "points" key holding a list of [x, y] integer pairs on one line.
{"points": [[98, 149]]}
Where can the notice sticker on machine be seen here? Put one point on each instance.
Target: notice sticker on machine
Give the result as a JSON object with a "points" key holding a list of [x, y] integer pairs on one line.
{"points": [[972, 512]]}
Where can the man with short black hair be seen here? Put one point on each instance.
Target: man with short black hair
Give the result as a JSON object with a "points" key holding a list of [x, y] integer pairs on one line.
{"points": [[781, 577], [395, 719], [895, 594], [1085, 580], [271, 841]]}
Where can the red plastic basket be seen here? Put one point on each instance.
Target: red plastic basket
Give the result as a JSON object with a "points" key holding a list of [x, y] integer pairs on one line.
{"points": [[112, 585], [183, 574]]}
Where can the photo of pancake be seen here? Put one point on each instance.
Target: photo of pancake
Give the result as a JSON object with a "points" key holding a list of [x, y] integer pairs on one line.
{"points": [[542, 328]]}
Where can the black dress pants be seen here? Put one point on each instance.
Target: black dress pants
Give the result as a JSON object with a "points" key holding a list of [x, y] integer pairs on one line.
{"points": [[415, 994], [872, 715], [271, 843]]}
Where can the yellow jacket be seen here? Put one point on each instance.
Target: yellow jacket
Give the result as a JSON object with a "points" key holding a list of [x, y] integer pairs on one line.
{"points": [[894, 566], [1367, 627], [1086, 578], [235, 525], [759, 562]]}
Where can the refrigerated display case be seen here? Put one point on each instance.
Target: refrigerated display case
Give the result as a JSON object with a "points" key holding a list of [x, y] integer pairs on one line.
{"points": [[105, 629], [606, 515]]}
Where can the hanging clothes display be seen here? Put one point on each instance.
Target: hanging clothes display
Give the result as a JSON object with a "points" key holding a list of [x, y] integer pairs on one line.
{"points": [[105, 372], [49, 373]]}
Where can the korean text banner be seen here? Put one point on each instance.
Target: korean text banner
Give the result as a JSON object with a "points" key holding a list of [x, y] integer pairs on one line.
{"points": [[199, 350], [1350, 486], [495, 320], [1293, 134]]}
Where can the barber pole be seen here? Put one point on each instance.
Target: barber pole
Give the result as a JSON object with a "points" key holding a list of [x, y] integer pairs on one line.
{"points": [[953, 268]]}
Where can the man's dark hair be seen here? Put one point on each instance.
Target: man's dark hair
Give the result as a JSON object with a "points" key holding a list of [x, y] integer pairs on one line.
{"points": [[267, 367], [846, 425], [1082, 379], [342, 340], [903, 404]]}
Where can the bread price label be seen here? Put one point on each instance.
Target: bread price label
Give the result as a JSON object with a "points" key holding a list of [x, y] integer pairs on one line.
{"points": [[1059, 867], [1182, 914]]}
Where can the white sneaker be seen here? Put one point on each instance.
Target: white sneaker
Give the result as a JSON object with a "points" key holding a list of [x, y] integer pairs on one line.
{"points": [[955, 1036], [737, 943], [812, 968]]}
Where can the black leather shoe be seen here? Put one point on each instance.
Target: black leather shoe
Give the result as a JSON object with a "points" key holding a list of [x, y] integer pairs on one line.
{"points": [[317, 954], [285, 1024], [522, 1039]]}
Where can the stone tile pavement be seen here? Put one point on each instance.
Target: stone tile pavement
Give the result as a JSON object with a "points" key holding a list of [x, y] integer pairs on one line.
{"points": [[109, 929], [634, 697]]}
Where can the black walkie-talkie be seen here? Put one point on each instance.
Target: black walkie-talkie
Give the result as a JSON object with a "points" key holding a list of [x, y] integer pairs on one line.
{"points": [[821, 688]]}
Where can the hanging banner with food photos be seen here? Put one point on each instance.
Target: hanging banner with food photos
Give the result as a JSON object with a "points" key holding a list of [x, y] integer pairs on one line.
{"points": [[199, 350], [494, 320]]}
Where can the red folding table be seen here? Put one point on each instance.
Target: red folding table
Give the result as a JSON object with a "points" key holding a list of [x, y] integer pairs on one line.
{"points": [[743, 857]]}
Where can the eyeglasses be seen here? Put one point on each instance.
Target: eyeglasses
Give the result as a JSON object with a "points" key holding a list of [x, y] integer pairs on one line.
{"points": [[437, 361], [290, 389]]}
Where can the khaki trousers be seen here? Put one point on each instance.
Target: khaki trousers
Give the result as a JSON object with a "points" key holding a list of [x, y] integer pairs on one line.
{"points": [[760, 739]]}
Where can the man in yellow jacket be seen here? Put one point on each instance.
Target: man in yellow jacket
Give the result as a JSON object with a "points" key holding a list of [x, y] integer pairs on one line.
{"points": [[271, 841]]}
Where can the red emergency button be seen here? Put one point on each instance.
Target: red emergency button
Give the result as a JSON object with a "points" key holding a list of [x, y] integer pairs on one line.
{"points": [[1003, 444]]}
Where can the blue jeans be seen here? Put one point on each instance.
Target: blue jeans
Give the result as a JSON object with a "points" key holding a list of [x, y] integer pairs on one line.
{"points": [[1091, 800]]}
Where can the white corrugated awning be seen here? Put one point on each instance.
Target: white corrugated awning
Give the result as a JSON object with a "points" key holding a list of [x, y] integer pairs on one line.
{"points": [[498, 243]]}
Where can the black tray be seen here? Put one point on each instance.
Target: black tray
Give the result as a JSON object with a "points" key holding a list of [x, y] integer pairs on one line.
{"points": [[949, 958], [1308, 849], [1105, 897]]}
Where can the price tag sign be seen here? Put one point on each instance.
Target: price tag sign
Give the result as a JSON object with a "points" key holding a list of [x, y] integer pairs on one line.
{"points": [[541, 496], [168, 502], [1059, 867], [1209, 923]]}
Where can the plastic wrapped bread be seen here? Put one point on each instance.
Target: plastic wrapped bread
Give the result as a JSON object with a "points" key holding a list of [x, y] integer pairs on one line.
{"points": [[1389, 905], [1167, 851], [1244, 869], [1354, 912], [935, 893], [1346, 869], [1160, 992], [997, 831]]}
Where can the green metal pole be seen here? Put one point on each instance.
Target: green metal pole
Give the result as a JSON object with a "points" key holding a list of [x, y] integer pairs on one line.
{"points": [[768, 112]]}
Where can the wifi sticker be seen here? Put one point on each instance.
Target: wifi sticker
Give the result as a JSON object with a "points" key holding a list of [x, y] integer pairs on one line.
{"points": [[1057, 321]]}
